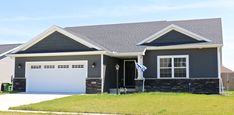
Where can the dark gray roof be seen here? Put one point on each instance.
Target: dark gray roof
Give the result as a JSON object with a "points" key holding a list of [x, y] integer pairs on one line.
{"points": [[6, 47], [124, 37]]}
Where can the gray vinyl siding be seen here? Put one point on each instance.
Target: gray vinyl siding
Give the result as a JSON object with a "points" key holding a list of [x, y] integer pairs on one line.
{"points": [[172, 38], [57, 42], [110, 72], [202, 62], [92, 72]]}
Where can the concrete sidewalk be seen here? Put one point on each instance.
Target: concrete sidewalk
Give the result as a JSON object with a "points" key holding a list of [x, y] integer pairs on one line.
{"points": [[59, 113]]}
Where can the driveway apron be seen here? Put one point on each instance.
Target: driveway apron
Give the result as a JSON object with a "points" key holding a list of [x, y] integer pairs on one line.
{"points": [[11, 100]]}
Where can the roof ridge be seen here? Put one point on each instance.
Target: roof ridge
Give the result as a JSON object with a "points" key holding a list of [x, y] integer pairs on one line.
{"points": [[141, 22], [199, 19], [111, 24]]}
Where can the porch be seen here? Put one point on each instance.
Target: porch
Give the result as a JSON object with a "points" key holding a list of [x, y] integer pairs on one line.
{"points": [[123, 78]]}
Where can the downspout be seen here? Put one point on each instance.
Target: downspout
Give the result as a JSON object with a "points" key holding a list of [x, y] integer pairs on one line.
{"points": [[221, 91], [102, 73]]}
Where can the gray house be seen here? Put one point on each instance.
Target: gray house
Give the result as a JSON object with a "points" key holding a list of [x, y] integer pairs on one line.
{"points": [[181, 56]]}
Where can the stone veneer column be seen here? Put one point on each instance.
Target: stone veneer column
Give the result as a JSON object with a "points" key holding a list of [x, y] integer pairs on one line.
{"points": [[93, 85], [19, 84]]}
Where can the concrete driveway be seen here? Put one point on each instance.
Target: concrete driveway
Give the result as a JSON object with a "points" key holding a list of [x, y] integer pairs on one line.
{"points": [[11, 100]]}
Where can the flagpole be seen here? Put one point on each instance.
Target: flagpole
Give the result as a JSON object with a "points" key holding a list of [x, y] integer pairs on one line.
{"points": [[143, 89]]}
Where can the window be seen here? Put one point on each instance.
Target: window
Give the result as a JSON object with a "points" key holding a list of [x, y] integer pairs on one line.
{"points": [[165, 67], [179, 67], [48, 66], [35, 66], [63, 66], [173, 66], [77, 66]]}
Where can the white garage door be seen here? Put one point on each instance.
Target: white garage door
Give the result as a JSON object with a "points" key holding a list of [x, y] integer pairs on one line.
{"points": [[56, 76]]}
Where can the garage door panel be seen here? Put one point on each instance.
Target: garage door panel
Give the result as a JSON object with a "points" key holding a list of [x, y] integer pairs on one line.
{"points": [[57, 78]]}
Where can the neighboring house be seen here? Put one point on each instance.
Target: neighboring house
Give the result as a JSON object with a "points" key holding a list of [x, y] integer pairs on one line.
{"points": [[228, 78], [181, 56], [6, 63]]}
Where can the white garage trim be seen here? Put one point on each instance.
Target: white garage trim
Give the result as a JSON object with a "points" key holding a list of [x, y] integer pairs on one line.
{"points": [[56, 76]]}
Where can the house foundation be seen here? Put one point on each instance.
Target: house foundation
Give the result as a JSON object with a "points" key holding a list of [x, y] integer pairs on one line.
{"points": [[203, 86]]}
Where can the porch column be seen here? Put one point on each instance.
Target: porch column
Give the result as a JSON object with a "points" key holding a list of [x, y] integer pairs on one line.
{"points": [[140, 73]]}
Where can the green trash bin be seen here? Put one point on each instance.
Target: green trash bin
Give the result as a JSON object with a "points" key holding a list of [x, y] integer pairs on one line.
{"points": [[4, 85], [7, 87]]}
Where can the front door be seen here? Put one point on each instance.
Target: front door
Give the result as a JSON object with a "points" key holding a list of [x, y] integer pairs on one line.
{"points": [[129, 73]]}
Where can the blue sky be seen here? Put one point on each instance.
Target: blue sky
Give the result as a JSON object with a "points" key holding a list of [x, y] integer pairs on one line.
{"points": [[21, 20]]}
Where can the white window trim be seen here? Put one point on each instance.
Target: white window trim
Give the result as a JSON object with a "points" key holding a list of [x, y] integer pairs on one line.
{"points": [[172, 57]]}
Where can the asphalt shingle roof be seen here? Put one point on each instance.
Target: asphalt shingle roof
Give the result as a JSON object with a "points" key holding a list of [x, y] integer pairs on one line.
{"points": [[124, 37], [6, 47]]}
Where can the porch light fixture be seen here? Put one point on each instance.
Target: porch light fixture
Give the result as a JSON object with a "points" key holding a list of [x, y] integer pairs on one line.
{"points": [[117, 67], [19, 66], [93, 65]]}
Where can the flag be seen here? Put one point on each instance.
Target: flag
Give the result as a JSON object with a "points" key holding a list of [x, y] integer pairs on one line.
{"points": [[140, 67]]}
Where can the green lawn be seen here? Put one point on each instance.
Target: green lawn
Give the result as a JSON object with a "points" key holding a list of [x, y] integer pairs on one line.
{"points": [[142, 103]]}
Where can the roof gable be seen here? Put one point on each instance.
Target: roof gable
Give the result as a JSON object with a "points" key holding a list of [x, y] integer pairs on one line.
{"points": [[170, 28], [173, 37], [51, 30], [56, 42]]}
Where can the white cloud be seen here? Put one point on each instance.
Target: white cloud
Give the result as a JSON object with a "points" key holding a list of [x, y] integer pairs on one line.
{"points": [[16, 35], [16, 32], [28, 18], [155, 7], [127, 10], [195, 5]]}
